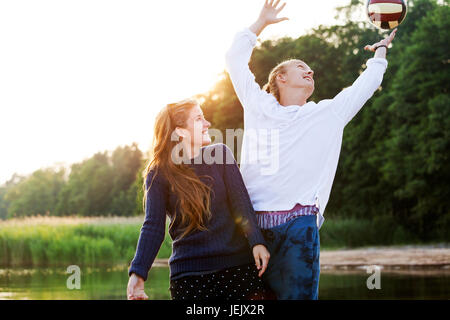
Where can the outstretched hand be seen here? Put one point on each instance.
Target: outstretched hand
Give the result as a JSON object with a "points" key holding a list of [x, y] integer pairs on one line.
{"points": [[268, 15], [270, 11], [386, 41]]}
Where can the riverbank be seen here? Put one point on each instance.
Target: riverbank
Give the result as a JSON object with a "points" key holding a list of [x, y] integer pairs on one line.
{"points": [[397, 257], [391, 257], [109, 241]]}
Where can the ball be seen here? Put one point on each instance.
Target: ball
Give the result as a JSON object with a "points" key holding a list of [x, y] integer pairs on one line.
{"points": [[386, 14]]}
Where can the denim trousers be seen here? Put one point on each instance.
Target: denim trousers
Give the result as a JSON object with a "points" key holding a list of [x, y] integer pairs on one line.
{"points": [[293, 270]]}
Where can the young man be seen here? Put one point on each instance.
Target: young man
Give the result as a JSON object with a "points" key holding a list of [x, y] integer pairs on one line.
{"points": [[304, 139]]}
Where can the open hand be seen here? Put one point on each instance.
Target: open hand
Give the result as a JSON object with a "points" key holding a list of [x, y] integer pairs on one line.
{"points": [[270, 11], [386, 41]]}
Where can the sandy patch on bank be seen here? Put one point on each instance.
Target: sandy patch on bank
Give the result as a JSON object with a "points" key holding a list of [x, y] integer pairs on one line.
{"points": [[392, 258], [387, 257]]}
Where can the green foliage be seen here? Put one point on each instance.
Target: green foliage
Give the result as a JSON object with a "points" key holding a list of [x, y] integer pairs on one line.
{"points": [[108, 241], [341, 232], [101, 185], [395, 152], [37, 194], [3, 204], [88, 190], [394, 158], [126, 164], [416, 149], [52, 242]]}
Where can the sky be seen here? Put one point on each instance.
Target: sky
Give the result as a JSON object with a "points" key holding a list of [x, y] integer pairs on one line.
{"points": [[79, 77]]}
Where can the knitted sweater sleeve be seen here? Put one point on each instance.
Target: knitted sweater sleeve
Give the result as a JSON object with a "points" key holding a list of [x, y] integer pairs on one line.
{"points": [[154, 226], [239, 200], [349, 101]]}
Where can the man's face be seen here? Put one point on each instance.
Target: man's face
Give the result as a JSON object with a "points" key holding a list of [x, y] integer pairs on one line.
{"points": [[298, 75]]}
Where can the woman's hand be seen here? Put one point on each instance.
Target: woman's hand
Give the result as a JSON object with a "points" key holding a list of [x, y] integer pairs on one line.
{"points": [[385, 42], [262, 257], [268, 15], [135, 289]]}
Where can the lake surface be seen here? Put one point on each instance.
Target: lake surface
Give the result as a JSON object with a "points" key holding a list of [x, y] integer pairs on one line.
{"points": [[111, 283]]}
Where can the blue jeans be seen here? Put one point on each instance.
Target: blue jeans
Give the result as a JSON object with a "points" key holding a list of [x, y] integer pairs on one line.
{"points": [[294, 268]]}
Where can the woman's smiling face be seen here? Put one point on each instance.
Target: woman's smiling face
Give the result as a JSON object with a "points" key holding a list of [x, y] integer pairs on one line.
{"points": [[196, 131]]}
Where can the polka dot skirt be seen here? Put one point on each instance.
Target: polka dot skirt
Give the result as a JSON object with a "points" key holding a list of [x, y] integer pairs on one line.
{"points": [[236, 283]]}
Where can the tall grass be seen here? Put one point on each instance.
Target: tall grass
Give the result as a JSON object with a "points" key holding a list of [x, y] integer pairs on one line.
{"points": [[101, 241], [353, 232], [55, 241]]}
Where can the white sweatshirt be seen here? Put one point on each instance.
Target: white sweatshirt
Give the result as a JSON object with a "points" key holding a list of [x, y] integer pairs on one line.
{"points": [[290, 153]]}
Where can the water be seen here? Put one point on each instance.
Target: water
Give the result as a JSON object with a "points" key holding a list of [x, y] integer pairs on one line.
{"points": [[111, 283]]}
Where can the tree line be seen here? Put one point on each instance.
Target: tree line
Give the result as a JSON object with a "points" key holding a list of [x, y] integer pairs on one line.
{"points": [[395, 152], [105, 184]]}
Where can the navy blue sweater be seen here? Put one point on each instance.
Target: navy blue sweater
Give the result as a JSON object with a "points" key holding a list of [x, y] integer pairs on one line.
{"points": [[232, 229]]}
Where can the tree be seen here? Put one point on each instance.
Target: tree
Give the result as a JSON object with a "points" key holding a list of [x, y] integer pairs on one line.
{"points": [[126, 163], [36, 194], [417, 150]]}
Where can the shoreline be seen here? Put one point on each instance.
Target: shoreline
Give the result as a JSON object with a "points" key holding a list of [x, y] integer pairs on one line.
{"points": [[389, 258], [414, 259]]}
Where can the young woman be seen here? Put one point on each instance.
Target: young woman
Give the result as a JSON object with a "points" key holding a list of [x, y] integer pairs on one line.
{"points": [[306, 139], [216, 239]]}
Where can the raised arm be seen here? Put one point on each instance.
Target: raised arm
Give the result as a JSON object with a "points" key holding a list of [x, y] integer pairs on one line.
{"points": [[380, 48], [267, 16], [238, 57], [349, 101]]}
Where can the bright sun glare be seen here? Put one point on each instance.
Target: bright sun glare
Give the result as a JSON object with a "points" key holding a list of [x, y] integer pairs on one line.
{"points": [[78, 77]]}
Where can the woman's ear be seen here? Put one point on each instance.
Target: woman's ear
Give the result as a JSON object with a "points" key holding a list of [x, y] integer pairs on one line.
{"points": [[180, 132]]}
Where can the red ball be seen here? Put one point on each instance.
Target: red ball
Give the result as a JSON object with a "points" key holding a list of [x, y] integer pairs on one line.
{"points": [[386, 14]]}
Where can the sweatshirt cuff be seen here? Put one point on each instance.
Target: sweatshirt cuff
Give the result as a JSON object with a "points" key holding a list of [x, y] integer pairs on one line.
{"points": [[381, 61], [256, 238], [139, 270], [252, 36]]}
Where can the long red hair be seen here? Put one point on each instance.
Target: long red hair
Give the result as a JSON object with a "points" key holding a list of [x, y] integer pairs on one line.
{"points": [[192, 194]]}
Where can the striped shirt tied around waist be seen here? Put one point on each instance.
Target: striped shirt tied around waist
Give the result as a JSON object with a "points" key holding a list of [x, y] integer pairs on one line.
{"points": [[270, 219]]}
